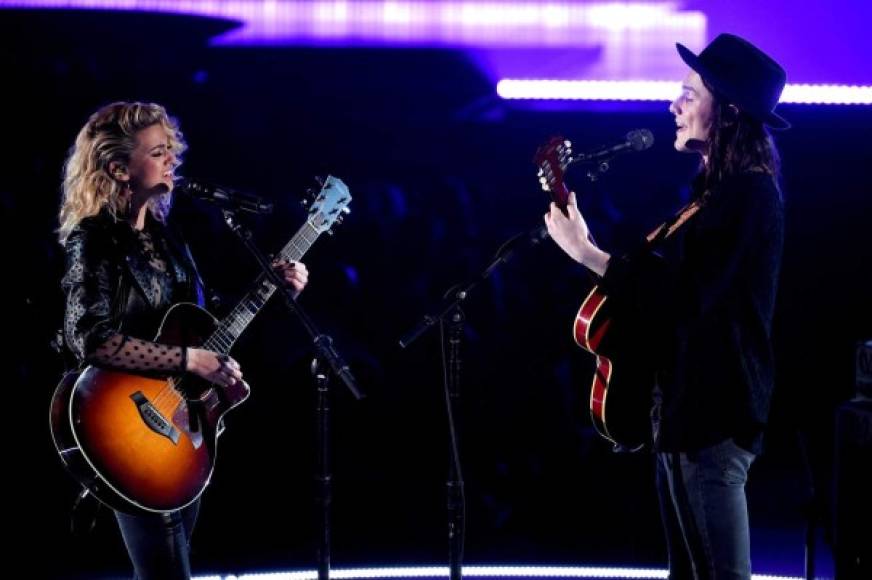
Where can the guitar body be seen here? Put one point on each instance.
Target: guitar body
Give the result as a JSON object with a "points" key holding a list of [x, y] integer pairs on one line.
{"points": [[621, 393], [622, 387], [142, 443]]}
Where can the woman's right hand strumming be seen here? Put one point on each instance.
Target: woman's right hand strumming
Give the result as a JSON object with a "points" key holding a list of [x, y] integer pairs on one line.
{"points": [[214, 367]]}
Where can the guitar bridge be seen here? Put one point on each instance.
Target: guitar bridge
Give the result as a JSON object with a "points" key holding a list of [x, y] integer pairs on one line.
{"points": [[153, 419]]}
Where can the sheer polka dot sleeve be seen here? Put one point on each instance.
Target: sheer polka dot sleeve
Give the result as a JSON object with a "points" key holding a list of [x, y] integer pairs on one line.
{"points": [[133, 354]]}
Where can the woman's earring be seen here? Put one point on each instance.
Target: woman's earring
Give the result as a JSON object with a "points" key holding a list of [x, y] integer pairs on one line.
{"points": [[126, 193]]}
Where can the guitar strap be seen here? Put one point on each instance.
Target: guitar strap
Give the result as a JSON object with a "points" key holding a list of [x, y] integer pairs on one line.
{"points": [[669, 227]]}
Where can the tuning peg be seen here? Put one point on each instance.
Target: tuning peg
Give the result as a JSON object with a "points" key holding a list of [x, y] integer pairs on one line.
{"points": [[540, 172], [340, 219], [346, 210], [309, 196], [330, 232], [305, 202]]}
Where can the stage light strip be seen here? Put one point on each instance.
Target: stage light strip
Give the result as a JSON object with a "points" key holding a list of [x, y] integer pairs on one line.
{"points": [[827, 94], [474, 572], [588, 90], [450, 22], [468, 571], [545, 89]]}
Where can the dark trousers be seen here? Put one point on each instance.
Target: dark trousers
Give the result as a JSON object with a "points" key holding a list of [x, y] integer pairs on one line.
{"points": [[159, 544], [705, 513]]}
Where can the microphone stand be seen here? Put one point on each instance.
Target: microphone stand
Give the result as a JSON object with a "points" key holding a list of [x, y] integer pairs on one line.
{"points": [[326, 359], [599, 165], [452, 316]]}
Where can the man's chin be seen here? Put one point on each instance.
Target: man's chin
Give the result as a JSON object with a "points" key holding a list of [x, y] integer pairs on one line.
{"points": [[690, 145]]}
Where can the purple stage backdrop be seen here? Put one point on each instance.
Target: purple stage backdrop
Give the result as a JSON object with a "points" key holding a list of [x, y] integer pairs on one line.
{"points": [[817, 42]]}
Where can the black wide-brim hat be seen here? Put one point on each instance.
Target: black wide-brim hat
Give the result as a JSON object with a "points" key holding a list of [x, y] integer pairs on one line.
{"points": [[744, 74]]}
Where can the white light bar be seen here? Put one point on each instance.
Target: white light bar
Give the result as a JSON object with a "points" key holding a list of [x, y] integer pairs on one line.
{"points": [[470, 571], [544, 89], [828, 94], [475, 572], [588, 90]]}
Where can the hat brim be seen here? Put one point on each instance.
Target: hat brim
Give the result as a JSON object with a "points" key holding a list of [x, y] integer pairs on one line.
{"points": [[768, 118]]}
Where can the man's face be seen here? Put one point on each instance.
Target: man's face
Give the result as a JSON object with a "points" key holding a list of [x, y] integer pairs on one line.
{"points": [[693, 114]]}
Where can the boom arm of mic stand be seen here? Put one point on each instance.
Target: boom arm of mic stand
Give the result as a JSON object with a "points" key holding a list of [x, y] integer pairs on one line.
{"points": [[323, 343], [503, 255]]}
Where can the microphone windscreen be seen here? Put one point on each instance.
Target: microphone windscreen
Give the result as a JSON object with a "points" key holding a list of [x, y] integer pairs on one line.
{"points": [[640, 139]]}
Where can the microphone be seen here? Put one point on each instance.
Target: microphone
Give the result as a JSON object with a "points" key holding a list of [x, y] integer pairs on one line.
{"points": [[637, 140], [223, 197]]}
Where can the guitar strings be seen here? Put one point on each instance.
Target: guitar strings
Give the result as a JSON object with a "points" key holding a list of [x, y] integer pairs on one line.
{"points": [[169, 397]]}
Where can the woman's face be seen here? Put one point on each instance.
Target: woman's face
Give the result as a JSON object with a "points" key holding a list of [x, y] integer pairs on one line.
{"points": [[152, 162], [693, 114]]}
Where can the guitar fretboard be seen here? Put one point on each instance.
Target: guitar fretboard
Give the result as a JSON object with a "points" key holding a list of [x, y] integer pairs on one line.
{"points": [[235, 323]]}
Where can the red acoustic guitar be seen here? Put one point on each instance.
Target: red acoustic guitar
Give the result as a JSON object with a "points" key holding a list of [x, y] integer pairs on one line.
{"points": [[148, 444], [621, 389]]}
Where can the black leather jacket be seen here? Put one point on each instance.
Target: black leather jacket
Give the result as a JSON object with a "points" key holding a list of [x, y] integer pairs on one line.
{"points": [[107, 283]]}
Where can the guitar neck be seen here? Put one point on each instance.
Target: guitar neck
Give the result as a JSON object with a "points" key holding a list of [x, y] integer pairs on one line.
{"points": [[235, 323]]}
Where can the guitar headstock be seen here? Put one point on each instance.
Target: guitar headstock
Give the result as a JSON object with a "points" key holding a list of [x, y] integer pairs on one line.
{"points": [[330, 205], [553, 158]]}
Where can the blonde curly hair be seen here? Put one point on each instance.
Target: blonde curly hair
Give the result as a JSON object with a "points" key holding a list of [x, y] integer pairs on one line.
{"points": [[110, 135]]}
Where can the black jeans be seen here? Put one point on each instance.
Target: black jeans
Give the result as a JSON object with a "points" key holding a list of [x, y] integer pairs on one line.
{"points": [[704, 511], [159, 544]]}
